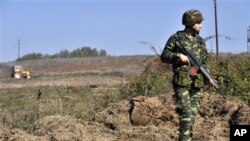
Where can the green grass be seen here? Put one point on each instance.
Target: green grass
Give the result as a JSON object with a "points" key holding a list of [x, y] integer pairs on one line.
{"points": [[20, 107], [15, 100]]}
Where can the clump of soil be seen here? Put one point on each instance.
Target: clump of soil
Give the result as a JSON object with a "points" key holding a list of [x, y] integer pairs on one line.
{"points": [[18, 135], [127, 120]]}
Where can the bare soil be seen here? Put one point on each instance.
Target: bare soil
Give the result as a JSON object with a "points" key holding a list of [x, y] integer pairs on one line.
{"points": [[113, 123], [212, 123]]}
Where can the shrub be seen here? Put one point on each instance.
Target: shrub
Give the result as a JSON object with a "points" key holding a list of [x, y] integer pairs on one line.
{"points": [[152, 81], [232, 73]]}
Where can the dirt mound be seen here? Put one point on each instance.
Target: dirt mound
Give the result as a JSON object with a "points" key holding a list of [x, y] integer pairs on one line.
{"points": [[117, 119], [155, 118], [142, 118], [17, 135], [145, 110], [217, 114]]}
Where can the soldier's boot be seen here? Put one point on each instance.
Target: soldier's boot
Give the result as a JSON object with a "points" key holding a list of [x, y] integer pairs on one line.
{"points": [[185, 130], [186, 136]]}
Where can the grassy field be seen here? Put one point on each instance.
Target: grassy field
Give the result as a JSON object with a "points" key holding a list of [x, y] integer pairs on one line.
{"points": [[89, 99], [78, 87]]}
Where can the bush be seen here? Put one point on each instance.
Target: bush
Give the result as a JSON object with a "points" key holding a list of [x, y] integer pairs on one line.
{"points": [[152, 81], [232, 73]]}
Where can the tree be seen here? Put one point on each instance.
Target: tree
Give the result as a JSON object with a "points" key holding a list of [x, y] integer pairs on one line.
{"points": [[30, 56], [80, 52], [64, 54], [102, 52]]}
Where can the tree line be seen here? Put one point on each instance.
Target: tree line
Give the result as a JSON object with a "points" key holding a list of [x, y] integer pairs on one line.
{"points": [[80, 52]]}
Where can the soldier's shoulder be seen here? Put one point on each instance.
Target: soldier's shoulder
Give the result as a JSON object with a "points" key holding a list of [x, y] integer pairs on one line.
{"points": [[200, 39], [180, 33], [177, 35]]}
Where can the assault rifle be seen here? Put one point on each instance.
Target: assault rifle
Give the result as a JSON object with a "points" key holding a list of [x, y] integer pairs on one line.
{"points": [[197, 66]]}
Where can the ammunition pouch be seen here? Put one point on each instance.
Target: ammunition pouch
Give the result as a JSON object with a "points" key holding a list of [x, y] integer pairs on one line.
{"points": [[199, 81], [182, 78]]}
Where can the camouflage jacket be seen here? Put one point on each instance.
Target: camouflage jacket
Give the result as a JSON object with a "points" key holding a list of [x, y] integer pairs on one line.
{"points": [[173, 49]]}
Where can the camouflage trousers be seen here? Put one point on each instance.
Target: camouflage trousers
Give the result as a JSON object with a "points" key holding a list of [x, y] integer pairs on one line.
{"points": [[187, 105]]}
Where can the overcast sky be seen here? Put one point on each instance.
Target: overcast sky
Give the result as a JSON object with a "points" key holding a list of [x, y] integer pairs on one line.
{"points": [[49, 26]]}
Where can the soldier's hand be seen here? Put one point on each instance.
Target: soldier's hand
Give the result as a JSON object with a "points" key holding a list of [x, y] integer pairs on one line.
{"points": [[184, 59], [212, 82]]}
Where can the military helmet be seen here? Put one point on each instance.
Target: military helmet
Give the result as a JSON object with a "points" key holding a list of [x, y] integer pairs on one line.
{"points": [[191, 17]]}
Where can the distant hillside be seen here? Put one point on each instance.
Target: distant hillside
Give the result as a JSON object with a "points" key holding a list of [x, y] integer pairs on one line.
{"points": [[80, 52]]}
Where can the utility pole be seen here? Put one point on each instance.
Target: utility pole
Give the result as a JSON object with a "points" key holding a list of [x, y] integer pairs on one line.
{"points": [[248, 40], [18, 48], [216, 30]]}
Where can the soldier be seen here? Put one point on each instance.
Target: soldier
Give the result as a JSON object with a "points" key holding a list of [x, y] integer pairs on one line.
{"points": [[187, 87]]}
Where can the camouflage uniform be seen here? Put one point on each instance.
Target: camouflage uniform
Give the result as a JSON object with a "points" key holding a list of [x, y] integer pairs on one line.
{"points": [[187, 87]]}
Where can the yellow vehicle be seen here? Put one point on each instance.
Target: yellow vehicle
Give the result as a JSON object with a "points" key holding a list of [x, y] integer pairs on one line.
{"points": [[18, 72]]}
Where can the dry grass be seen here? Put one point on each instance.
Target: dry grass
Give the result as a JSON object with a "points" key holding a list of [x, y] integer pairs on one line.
{"points": [[78, 87], [71, 97]]}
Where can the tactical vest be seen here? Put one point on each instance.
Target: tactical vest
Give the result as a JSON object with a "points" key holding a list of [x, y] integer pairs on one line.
{"points": [[197, 46]]}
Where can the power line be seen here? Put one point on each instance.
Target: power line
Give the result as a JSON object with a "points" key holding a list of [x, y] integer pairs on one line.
{"points": [[214, 36], [210, 37]]}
